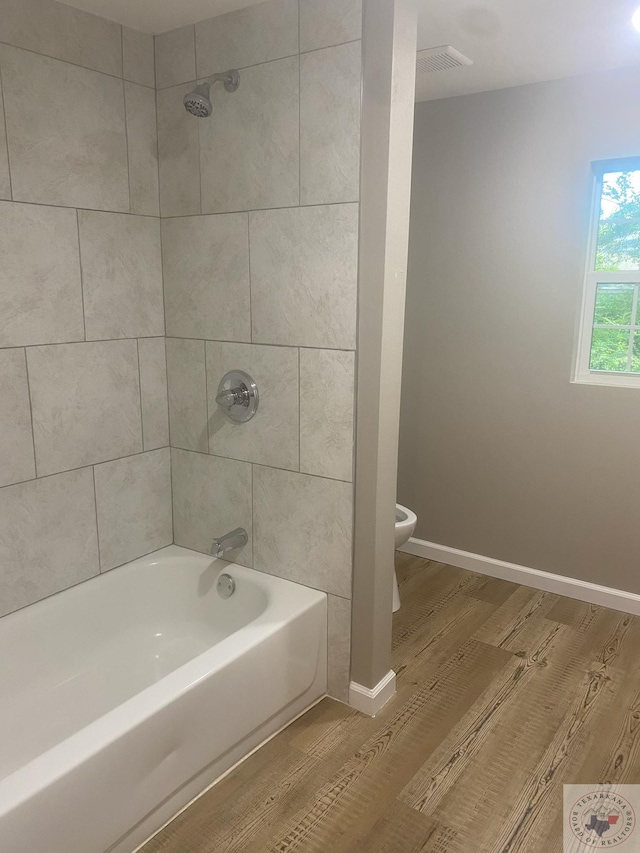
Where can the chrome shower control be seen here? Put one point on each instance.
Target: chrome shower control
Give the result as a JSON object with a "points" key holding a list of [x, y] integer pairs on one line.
{"points": [[238, 396]]}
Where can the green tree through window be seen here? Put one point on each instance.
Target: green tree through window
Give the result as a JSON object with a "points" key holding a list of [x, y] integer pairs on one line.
{"points": [[615, 340]]}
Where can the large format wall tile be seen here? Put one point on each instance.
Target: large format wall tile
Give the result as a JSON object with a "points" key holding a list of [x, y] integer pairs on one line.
{"points": [[247, 37], [271, 437], [86, 403], [69, 147], [304, 272], [175, 57], [121, 275], [339, 638], [211, 497], [16, 441], [153, 392], [206, 277], [40, 289], [179, 153], [133, 502], [249, 150], [326, 413], [302, 529], [65, 33], [187, 394], [330, 125], [5, 181], [142, 140], [48, 538], [138, 61], [329, 22]]}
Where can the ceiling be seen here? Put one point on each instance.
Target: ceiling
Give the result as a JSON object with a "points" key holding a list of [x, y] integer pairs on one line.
{"points": [[512, 42]]}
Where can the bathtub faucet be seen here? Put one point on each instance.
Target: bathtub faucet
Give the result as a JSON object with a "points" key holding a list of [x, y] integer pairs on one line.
{"points": [[229, 542]]}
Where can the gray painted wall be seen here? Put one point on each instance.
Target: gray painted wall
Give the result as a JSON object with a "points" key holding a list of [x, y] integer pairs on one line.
{"points": [[499, 453]]}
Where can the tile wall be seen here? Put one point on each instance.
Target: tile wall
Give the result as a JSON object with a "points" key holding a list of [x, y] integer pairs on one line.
{"points": [[85, 478], [259, 208], [120, 216]]}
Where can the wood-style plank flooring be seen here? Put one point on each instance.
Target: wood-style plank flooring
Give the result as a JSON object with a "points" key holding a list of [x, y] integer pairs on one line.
{"points": [[504, 694]]}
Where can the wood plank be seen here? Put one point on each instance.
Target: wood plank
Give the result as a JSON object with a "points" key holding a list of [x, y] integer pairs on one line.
{"points": [[444, 769], [493, 590], [507, 628], [579, 614]]}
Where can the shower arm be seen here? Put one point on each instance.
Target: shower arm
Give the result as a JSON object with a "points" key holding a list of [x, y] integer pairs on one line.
{"points": [[231, 80]]}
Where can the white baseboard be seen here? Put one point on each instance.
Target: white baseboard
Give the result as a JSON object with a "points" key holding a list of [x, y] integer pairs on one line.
{"points": [[605, 596], [371, 701]]}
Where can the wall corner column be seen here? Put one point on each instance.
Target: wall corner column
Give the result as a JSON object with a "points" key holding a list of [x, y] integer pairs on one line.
{"points": [[388, 95]]}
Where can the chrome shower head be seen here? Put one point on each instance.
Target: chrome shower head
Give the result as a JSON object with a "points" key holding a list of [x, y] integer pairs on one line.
{"points": [[198, 101]]}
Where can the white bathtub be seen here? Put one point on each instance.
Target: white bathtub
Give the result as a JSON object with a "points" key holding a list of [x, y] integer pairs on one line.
{"points": [[123, 698]]}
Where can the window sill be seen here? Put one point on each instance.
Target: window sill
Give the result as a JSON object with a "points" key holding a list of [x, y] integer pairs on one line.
{"points": [[616, 380]]}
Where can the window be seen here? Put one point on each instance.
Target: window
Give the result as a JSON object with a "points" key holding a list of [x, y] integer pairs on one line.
{"points": [[609, 340]]}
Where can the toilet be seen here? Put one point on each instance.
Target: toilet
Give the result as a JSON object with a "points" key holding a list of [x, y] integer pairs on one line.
{"points": [[405, 525]]}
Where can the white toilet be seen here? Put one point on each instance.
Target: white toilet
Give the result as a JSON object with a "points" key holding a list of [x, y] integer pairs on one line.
{"points": [[405, 525]]}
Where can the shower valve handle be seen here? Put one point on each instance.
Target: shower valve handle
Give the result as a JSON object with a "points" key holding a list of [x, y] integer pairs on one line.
{"points": [[238, 396]]}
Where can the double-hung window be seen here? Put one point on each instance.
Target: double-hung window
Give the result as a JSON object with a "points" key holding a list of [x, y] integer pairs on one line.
{"points": [[609, 337]]}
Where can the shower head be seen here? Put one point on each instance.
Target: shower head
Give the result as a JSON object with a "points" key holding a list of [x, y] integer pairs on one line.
{"points": [[198, 101]]}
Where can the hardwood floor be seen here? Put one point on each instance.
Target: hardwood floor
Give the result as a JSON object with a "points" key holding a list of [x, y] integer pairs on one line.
{"points": [[504, 694]]}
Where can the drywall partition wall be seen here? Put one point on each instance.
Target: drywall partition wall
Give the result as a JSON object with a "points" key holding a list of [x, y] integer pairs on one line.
{"points": [[387, 124], [500, 455], [260, 207], [84, 458]]}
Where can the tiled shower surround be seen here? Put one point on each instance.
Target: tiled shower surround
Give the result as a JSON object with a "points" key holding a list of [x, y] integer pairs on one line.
{"points": [[252, 224]]}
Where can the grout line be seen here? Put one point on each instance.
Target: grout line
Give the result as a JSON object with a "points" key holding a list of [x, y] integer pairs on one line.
{"points": [[248, 343], [261, 465], [206, 394], [172, 338], [95, 507], [140, 395], [299, 115], [200, 126], [83, 467], [126, 139], [250, 278], [299, 412], [74, 343], [84, 318], [166, 353], [173, 520], [256, 64], [6, 136], [89, 209], [258, 209], [122, 50], [68, 62], [253, 522], [33, 434]]}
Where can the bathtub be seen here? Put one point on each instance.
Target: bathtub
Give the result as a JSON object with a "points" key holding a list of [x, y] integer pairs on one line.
{"points": [[123, 698]]}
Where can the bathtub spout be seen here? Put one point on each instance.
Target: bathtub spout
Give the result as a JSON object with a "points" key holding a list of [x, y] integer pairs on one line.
{"points": [[229, 542]]}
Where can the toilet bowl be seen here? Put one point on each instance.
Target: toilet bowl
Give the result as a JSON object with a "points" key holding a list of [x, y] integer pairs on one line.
{"points": [[405, 525]]}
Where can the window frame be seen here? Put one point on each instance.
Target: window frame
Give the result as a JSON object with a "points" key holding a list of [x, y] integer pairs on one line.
{"points": [[583, 374]]}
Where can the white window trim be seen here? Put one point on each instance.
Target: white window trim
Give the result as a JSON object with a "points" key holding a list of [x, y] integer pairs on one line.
{"points": [[582, 372]]}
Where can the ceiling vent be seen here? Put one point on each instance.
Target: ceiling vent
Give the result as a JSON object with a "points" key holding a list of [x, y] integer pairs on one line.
{"points": [[440, 59]]}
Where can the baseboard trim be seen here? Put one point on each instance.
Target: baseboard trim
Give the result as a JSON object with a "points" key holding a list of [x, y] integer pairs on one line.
{"points": [[371, 700], [605, 596]]}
